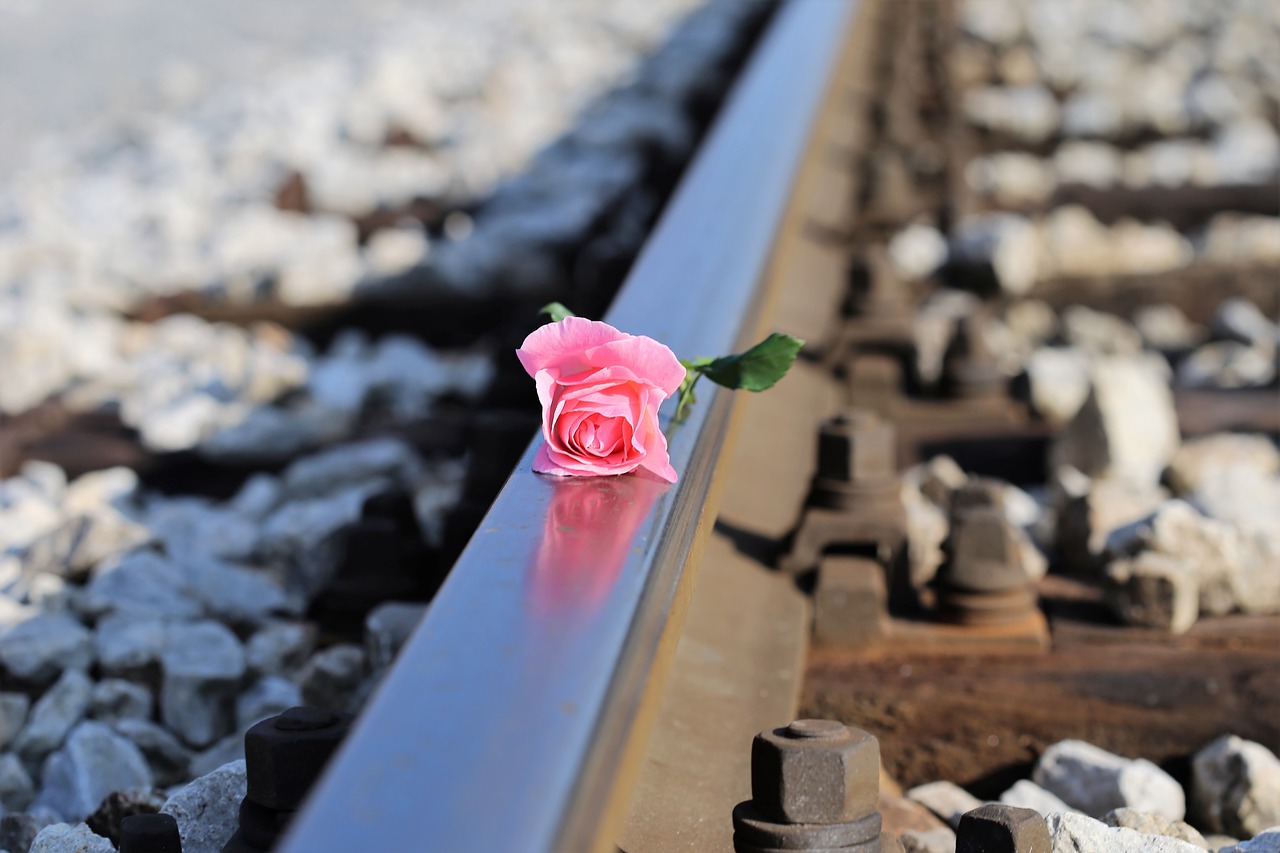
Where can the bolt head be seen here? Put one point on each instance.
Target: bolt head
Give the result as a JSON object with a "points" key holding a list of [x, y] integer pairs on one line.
{"points": [[984, 551], [285, 754], [997, 828], [856, 447], [815, 771]]}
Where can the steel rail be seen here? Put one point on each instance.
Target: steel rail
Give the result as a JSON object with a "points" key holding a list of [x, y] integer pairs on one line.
{"points": [[510, 721]]}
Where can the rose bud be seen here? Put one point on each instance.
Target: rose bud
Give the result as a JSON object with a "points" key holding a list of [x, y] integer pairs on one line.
{"points": [[600, 391]]}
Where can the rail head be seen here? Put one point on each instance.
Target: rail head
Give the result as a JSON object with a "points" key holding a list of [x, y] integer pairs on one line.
{"points": [[504, 722]]}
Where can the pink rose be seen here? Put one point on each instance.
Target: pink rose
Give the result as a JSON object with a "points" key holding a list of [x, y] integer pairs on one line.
{"points": [[600, 391]]}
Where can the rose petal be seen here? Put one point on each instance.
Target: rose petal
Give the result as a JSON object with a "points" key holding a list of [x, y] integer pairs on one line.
{"points": [[657, 459], [563, 464], [561, 345], [626, 401], [608, 434], [644, 357]]}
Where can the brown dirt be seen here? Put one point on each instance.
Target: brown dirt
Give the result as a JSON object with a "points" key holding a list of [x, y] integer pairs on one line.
{"points": [[981, 720]]}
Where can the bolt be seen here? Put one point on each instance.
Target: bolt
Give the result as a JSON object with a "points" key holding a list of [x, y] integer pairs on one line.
{"points": [[984, 581], [855, 459], [984, 553], [827, 729], [969, 367], [876, 291], [815, 772], [997, 828], [150, 833], [304, 719], [285, 754]]}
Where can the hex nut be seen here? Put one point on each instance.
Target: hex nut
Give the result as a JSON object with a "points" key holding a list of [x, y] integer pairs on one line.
{"points": [[815, 771], [984, 553], [285, 754], [856, 446], [997, 828]]}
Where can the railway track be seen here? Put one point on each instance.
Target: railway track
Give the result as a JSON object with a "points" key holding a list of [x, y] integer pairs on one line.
{"points": [[639, 740], [591, 672]]}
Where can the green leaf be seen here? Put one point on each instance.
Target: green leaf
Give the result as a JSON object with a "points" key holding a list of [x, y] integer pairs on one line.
{"points": [[556, 311], [759, 367]]}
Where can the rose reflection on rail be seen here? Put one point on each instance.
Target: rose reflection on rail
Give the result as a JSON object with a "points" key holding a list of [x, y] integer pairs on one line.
{"points": [[590, 526]]}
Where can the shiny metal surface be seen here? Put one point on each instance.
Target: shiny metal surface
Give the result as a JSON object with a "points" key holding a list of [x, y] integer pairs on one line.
{"points": [[501, 725]]}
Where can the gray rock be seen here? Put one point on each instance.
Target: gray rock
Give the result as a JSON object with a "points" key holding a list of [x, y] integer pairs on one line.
{"points": [[279, 648], [1058, 382], [92, 763], [1071, 832], [116, 699], [1096, 781], [97, 489], [40, 648], [142, 584], [937, 840], [937, 479], [1165, 328], [208, 809], [225, 751], [65, 838], [202, 665], [11, 612], [1008, 245], [1154, 590], [918, 251], [272, 434], [1127, 428], [945, 799], [18, 831], [1011, 178], [927, 529], [13, 713], [1197, 458], [104, 533], [49, 478], [167, 757], [386, 629], [1026, 794], [1210, 549], [1098, 333], [1027, 113], [234, 594], [1266, 842], [303, 541], [1227, 365], [1153, 824], [267, 697], [1240, 320], [129, 646], [1236, 787], [387, 461], [258, 496], [107, 818], [57, 711], [332, 676], [191, 529], [17, 789], [1248, 500], [1086, 520], [1093, 163], [1033, 322], [934, 327], [1241, 495]]}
